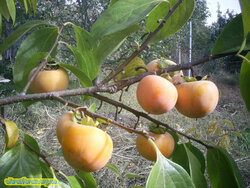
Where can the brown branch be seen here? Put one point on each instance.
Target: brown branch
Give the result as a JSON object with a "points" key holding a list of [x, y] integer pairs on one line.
{"points": [[110, 89], [44, 62], [95, 116], [143, 46], [146, 116]]}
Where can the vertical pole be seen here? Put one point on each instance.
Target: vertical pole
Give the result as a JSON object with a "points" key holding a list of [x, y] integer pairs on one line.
{"points": [[190, 46], [179, 59]]}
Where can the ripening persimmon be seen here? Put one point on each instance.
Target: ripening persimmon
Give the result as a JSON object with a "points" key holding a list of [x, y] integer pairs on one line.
{"points": [[197, 99], [63, 124], [86, 148], [49, 80], [157, 64], [156, 95], [164, 142]]}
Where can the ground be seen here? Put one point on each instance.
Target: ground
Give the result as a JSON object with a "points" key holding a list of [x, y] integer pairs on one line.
{"points": [[41, 121]]}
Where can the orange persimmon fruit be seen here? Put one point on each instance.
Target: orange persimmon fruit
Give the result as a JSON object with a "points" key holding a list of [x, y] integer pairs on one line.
{"points": [[49, 80], [164, 142], [197, 99], [156, 95]]}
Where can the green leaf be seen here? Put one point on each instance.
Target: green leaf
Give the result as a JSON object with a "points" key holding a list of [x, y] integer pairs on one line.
{"points": [[121, 15], [92, 107], [34, 5], [39, 41], [132, 175], [198, 154], [180, 157], [245, 81], [86, 44], [4, 9], [20, 31], [114, 168], [1, 26], [231, 38], [110, 43], [48, 172], [81, 62], [88, 178], [222, 170], [245, 7], [85, 81], [12, 9], [175, 22], [112, 2], [75, 181], [19, 162], [166, 173], [32, 142], [228, 122], [195, 170]]}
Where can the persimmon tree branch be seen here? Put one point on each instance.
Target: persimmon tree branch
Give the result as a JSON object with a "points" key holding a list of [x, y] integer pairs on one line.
{"points": [[143, 46], [44, 62], [146, 116], [95, 116], [113, 88]]}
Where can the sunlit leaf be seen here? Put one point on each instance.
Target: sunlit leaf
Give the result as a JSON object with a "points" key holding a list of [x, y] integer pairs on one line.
{"points": [[87, 177], [231, 38], [245, 81], [245, 7], [174, 23], [121, 15], [12, 134], [75, 182], [92, 107], [166, 173], [12, 9]]}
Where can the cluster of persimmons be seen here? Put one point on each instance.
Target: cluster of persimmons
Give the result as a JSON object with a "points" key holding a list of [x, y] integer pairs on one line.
{"points": [[89, 148]]}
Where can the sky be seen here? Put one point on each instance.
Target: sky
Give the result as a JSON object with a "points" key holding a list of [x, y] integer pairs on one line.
{"points": [[224, 5]]}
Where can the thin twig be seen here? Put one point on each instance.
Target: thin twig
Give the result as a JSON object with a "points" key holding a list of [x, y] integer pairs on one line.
{"points": [[146, 116], [95, 116], [44, 62], [142, 47]]}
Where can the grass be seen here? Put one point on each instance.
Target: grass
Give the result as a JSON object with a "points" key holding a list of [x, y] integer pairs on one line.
{"points": [[40, 121]]}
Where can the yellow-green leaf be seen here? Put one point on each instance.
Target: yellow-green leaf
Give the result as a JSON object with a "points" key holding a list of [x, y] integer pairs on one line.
{"points": [[190, 130], [211, 127], [217, 131], [237, 134], [12, 134], [229, 123]]}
